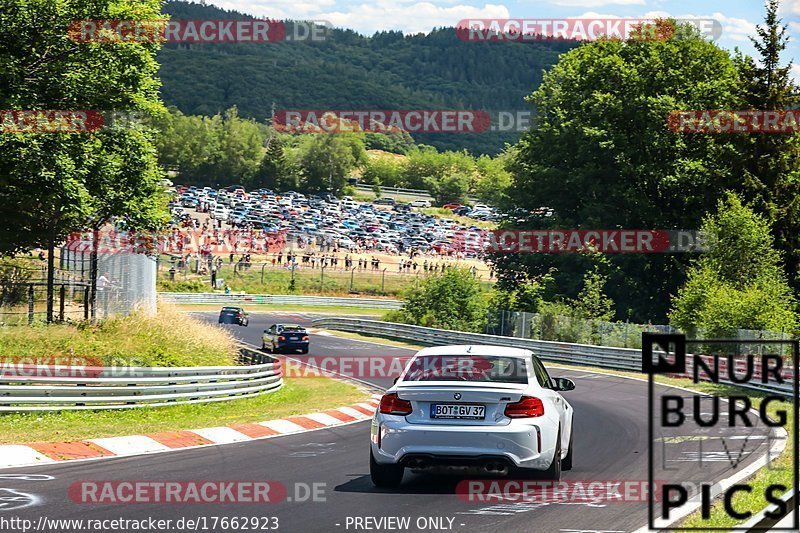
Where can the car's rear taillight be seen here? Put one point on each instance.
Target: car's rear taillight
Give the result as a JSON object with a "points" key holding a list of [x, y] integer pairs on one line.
{"points": [[392, 405], [305, 337], [526, 407], [281, 338]]}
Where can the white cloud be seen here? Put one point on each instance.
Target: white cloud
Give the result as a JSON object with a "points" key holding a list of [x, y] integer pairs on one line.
{"points": [[409, 16], [735, 29], [595, 3], [794, 72], [791, 7]]}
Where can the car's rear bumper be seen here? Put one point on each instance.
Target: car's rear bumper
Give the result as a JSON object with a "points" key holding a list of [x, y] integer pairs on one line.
{"points": [[394, 440], [293, 344]]}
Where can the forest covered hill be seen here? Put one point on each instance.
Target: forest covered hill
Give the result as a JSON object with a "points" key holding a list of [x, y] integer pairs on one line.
{"points": [[350, 71]]}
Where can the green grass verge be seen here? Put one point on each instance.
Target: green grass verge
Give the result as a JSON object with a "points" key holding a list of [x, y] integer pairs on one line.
{"points": [[298, 396], [167, 339]]}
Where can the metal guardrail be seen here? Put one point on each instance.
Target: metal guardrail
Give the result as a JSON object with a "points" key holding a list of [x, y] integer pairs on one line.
{"points": [[422, 193], [56, 388], [559, 352], [276, 299]]}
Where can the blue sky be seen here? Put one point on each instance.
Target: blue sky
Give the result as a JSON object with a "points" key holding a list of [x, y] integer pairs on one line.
{"points": [[738, 17]]}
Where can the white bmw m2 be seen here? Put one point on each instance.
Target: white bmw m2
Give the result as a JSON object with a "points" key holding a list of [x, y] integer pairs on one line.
{"points": [[489, 408]]}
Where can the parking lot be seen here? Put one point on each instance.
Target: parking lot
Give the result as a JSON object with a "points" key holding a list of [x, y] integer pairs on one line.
{"points": [[323, 223]]}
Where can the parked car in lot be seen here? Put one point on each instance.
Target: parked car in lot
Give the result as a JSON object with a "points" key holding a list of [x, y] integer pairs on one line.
{"points": [[234, 315], [420, 203], [283, 337], [488, 408], [384, 201]]}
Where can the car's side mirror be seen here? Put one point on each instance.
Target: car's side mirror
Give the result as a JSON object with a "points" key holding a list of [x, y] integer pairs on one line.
{"points": [[395, 380], [563, 384]]}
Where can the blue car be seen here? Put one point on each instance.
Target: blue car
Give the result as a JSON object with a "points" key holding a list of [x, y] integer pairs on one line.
{"points": [[285, 337]]}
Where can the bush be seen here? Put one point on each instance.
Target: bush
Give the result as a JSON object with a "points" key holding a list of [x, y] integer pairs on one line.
{"points": [[739, 283], [13, 275], [183, 286], [451, 300]]}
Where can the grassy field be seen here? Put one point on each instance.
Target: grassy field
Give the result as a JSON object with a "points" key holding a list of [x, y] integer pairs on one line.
{"points": [[276, 280], [169, 339], [298, 396]]}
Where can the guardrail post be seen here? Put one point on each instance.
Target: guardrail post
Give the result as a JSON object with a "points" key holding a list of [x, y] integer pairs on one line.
{"points": [[383, 281], [30, 304], [262, 272], [352, 274], [322, 279], [62, 294], [86, 303]]}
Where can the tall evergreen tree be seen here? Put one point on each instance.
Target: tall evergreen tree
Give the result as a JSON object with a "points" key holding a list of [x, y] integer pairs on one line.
{"points": [[771, 166], [273, 172]]}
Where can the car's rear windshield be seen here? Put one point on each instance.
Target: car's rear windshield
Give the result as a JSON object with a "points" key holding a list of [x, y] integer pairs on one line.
{"points": [[294, 330], [476, 368], [230, 309]]}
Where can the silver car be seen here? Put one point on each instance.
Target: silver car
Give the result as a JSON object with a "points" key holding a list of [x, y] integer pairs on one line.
{"points": [[485, 408]]}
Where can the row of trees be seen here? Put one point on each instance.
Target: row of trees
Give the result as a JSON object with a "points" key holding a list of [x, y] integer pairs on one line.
{"points": [[602, 156], [449, 176], [225, 149]]}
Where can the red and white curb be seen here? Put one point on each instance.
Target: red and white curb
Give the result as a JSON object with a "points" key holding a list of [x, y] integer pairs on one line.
{"points": [[37, 453]]}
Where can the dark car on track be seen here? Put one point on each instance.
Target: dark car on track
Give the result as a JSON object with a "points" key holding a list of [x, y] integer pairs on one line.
{"points": [[285, 337], [233, 315]]}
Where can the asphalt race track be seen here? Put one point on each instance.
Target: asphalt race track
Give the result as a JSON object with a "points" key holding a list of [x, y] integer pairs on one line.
{"points": [[610, 444]]}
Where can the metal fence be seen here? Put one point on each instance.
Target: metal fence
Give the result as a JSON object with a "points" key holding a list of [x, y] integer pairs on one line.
{"points": [[23, 293], [559, 328], [276, 299], [63, 387], [126, 281], [559, 352]]}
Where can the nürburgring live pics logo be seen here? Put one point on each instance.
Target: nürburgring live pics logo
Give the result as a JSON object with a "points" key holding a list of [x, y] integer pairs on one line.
{"points": [[698, 438]]}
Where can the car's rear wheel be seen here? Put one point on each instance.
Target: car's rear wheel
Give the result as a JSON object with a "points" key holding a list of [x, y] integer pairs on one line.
{"points": [[304, 350], [566, 464], [385, 476], [554, 471]]}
